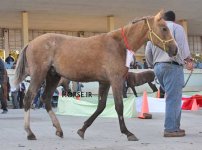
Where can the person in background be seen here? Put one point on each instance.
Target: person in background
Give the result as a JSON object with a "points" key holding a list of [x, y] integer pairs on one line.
{"points": [[8, 89], [14, 65], [3, 82], [139, 65], [9, 62], [21, 94], [14, 96], [133, 63], [36, 102], [54, 99], [79, 86], [169, 72], [145, 66], [9, 59]]}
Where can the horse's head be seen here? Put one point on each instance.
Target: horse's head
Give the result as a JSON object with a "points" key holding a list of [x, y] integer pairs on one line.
{"points": [[160, 34]]}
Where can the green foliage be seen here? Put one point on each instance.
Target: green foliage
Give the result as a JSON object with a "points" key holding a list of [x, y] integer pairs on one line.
{"points": [[197, 58]]}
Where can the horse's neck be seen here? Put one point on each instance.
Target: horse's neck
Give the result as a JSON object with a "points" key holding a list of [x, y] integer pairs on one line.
{"points": [[136, 34]]}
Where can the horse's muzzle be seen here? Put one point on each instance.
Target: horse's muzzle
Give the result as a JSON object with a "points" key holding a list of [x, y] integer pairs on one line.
{"points": [[172, 51]]}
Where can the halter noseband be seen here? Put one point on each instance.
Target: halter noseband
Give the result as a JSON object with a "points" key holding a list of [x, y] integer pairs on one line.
{"points": [[151, 32]]}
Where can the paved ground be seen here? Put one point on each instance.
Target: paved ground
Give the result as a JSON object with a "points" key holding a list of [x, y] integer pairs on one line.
{"points": [[104, 134]]}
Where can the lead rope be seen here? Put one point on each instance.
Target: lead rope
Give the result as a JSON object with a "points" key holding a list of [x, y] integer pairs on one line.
{"points": [[188, 78]]}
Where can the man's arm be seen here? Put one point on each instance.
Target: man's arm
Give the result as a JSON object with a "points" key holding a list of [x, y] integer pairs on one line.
{"points": [[148, 54], [181, 39]]}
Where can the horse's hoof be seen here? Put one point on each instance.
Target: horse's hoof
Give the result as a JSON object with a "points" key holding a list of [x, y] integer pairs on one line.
{"points": [[132, 138], [59, 133], [80, 133], [31, 137]]}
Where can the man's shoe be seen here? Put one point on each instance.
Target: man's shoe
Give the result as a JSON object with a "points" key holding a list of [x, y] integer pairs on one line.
{"points": [[181, 130], [179, 133]]}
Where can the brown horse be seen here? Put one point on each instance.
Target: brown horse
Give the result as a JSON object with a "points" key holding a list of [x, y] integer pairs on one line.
{"points": [[137, 79], [98, 58]]}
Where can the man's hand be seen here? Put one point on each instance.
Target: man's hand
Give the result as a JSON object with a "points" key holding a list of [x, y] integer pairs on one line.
{"points": [[189, 65]]}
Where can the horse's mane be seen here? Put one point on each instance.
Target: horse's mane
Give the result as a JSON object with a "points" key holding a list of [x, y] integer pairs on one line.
{"points": [[140, 19], [133, 22]]}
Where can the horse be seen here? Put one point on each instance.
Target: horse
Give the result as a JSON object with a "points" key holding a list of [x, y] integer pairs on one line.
{"points": [[137, 79], [98, 58]]}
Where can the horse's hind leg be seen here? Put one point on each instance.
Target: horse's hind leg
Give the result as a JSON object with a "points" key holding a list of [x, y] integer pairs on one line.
{"points": [[153, 87], [117, 92], [102, 97], [52, 80], [31, 92]]}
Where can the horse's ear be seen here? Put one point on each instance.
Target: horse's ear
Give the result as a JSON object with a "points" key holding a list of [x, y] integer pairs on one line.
{"points": [[159, 15]]}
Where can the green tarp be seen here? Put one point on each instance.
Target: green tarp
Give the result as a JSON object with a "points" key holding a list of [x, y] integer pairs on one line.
{"points": [[87, 106]]}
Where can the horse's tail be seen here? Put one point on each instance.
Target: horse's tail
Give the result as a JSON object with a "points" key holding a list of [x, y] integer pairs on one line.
{"points": [[20, 72]]}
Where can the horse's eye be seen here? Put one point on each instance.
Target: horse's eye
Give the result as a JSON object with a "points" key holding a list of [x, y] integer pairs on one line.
{"points": [[164, 29]]}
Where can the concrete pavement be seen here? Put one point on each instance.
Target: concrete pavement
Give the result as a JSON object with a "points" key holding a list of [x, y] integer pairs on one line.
{"points": [[104, 134]]}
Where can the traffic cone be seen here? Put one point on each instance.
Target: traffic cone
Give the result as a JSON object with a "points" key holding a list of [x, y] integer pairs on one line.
{"points": [[77, 97], [145, 108], [194, 107], [158, 94]]}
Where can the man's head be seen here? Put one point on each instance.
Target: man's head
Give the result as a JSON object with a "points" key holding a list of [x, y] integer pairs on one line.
{"points": [[169, 16]]}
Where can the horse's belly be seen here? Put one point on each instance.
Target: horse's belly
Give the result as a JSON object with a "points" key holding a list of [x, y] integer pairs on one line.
{"points": [[81, 75]]}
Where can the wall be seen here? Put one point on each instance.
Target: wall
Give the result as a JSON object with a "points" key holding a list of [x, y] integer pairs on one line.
{"points": [[194, 83]]}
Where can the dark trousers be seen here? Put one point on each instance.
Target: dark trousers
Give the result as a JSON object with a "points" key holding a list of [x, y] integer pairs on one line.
{"points": [[21, 96], [2, 99]]}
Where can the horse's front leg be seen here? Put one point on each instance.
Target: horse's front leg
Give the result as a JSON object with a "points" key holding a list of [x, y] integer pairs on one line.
{"points": [[102, 98], [117, 86], [134, 91]]}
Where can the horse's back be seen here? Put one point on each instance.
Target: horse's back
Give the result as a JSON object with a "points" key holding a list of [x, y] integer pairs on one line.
{"points": [[149, 75], [140, 78], [69, 55]]}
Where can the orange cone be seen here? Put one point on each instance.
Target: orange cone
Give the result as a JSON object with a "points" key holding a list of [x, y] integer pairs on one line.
{"points": [[158, 94], [145, 108], [77, 97], [194, 107]]}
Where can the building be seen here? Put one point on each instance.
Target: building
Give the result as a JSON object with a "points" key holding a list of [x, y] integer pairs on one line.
{"points": [[22, 20]]}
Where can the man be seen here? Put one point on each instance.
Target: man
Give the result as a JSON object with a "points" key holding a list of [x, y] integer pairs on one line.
{"points": [[21, 94], [145, 66], [9, 62], [169, 72], [3, 81], [14, 96], [9, 59]]}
